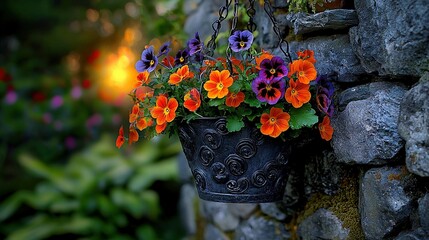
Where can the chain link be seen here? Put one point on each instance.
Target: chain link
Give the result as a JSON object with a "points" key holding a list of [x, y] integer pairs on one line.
{"points": [[233, 26], [251, 25], [269, 10], [223, 14]]}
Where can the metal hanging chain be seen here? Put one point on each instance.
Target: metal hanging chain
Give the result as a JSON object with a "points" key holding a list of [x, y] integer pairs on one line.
{"points": [[269, 10], [251, 25], [223, 14], [233, 26]]}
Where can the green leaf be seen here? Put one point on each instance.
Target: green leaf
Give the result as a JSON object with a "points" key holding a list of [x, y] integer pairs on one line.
{"points": [[304, 116], [234, 123], [235, 87], [216, 102], [253, 102]]}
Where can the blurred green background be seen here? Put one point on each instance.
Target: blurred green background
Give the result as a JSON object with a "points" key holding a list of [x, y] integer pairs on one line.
{"points": [[66, 68]]}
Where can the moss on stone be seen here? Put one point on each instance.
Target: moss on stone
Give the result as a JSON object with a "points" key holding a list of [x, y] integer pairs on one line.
{"points": [[344, 205]]}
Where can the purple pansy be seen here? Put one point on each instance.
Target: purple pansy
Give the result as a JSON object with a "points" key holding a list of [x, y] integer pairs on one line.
{"points": [[165, 48], [182, 57], [195, 45], [148, 61], [240, 40], [324, 95], [273, 68], [268, 90]]}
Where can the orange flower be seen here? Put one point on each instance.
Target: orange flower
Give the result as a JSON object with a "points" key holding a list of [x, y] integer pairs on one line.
{"points": [[234, 99], [133, 136], [298, 93], [165, 109], [307, 55], [143, 92], [160, 127], [168, 61], [181, 74], [325, 128], [120, 139], [134, 113], [143, 123], [217, 86], [275, 123], [264, 55], [304, 71], [142, 78], [192, 100]]}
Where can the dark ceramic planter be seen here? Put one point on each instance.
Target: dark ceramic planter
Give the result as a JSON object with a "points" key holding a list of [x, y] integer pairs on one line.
{"points": [[237, 167]]}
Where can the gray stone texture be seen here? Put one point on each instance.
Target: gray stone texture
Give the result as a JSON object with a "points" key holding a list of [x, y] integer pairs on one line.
{"points": [[218, 213], [366, 131], [424, 212], [417, 234], [322, 224], [258, 228], [413, 126], [336, 19], [333, 54], [392, 37], [385, 203], [187, 207], [213, 233], [272, 210]]}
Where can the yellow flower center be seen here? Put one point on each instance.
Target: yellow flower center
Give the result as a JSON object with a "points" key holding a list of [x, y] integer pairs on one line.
{"points": [[242, 44], [293, 92], [301, 73], [272, 71], [233, 95], [272, 120], [268, 87], [181, 59], [220, 86], [152, 62], [166, 111]]}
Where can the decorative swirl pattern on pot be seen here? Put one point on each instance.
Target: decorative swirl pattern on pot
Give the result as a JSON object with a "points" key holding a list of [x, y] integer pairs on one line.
{"points": [[221, 126], [200, 179], [186, 136], [257, 136], [282, 158], [206, 156], [212, 138], [273, 170], [259, 179], [236, 165], [246, 148], [239, 186], [220, 174]]}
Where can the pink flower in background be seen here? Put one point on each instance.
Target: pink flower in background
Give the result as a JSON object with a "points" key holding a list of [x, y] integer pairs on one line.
{"points": [[11, 97], [56, 102], [70, 143], [94, 120], [76, 92], [47, 118]]}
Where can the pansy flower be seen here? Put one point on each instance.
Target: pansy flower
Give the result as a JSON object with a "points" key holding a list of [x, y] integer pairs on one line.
{"points": [[160, 127], [298, 93], [240, 40], [120, 139], [324, 95], [263, 56], [195, 45], [325, 129], [303, 70], [218, 84], [144, 92], [192, 100], [142, 78], [234, 99], [143, 123], [133, 135], [148, 61], [134, 113], [268, 91], [307, 55], [165, 109], [274, 123], [273, 68], [181, 74], [164, 49], [182, 57]]}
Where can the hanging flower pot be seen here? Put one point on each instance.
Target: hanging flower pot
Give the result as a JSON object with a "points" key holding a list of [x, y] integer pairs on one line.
{"points": [[235, 115], [243, 166]]}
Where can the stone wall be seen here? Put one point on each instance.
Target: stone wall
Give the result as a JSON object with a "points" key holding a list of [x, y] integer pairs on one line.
{"points": [[372, 180]]}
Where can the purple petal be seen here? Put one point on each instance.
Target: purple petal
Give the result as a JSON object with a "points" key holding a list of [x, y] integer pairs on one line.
{"points": [[147, 53], [140, 66], [247, 36]]}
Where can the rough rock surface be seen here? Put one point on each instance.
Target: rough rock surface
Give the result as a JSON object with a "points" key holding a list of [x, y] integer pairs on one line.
{"points": [[322, 224], [413, 126], [257, 228], [272, 210], [424, 213], [366, 131], [392, 37], [385, 202], [218, 213]]}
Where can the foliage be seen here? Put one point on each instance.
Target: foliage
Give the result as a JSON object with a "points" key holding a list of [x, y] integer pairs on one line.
{"points": [[98, 194], [306, 5], [252, 85]]}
